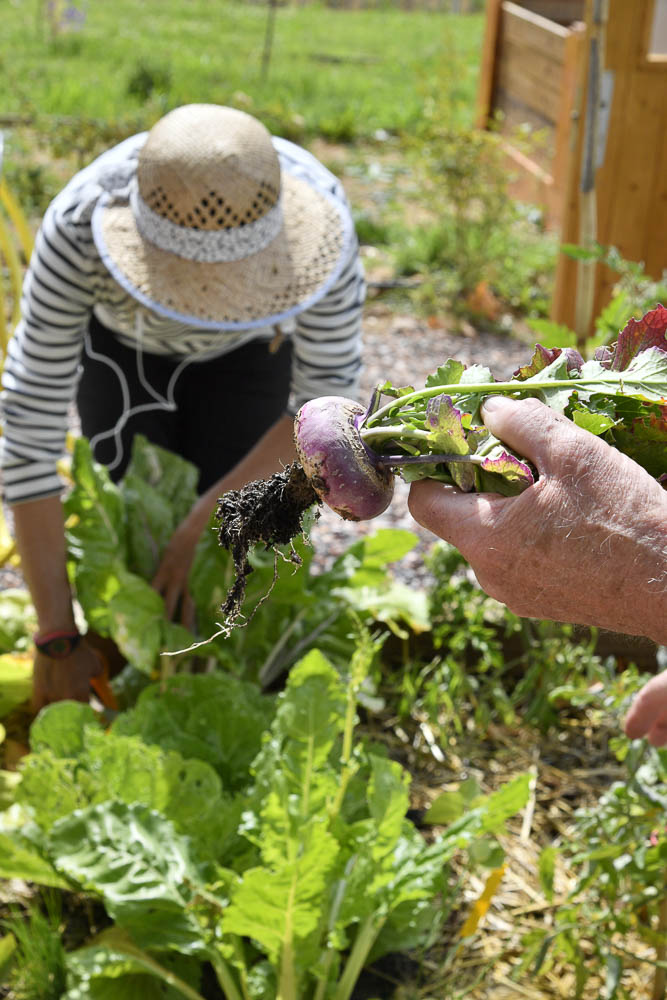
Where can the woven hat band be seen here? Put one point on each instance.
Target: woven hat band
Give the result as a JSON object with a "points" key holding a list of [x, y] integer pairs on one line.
{"points": [[205, 246]]}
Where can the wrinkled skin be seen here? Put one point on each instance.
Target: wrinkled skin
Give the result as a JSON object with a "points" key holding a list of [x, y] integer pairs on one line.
{"points": [[586, 544]]}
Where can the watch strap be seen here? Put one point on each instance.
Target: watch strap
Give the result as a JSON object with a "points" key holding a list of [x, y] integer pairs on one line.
{"points": [[58, 645]]}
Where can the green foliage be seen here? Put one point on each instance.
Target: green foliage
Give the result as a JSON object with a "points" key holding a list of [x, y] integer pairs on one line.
{"points": [[37, 970], [633, 295], [489, 665], [318, 82], [311, 870], [437, 431], [618, 848], [480, 234]]}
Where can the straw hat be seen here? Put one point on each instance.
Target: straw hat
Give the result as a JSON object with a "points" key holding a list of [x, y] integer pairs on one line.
{"points": [[213, 233]]}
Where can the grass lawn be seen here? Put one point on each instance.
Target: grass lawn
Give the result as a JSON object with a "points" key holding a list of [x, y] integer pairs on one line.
{"points": [[341, 74]]}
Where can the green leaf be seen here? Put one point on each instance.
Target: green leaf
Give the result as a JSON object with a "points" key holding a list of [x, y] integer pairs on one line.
{"points": [[173, 476], [447, 807], [20, 860], [448, 374], [216, 718], [159, 488], [60, 728], [283, 904], [9, 782], [18, 622], [15, 680], [137, 620], [144, 871], [112, 966], [547, 870], [7, 949]]}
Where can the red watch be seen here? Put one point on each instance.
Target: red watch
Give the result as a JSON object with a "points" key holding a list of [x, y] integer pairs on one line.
{"points": [[57, 645]]}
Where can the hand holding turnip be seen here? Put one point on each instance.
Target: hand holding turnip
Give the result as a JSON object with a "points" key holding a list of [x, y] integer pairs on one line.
{"points": [[586, 544], [348, 456]]}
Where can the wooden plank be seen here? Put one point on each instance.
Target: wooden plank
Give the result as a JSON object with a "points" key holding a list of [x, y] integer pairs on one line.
{"points": [[564, 12], [626, 182], [655, 244], [537, 86], [487, 68], [570, 83], [565, 284], [524, 24]]}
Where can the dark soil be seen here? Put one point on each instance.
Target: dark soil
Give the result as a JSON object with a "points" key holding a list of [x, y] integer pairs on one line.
{"points": [[266, 512]]}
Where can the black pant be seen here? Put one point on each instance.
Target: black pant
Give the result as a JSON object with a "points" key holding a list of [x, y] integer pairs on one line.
{"points": [[222, 406]]}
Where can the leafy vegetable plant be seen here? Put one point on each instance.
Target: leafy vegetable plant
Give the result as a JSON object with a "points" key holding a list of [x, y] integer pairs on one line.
{"points": [[287, 883]]}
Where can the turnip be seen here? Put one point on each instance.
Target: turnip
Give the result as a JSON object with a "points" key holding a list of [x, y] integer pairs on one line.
{"points": [[344, 473]]}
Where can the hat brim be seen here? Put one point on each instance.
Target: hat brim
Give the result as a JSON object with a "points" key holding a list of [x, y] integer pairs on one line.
{"points": [[291, 273]]}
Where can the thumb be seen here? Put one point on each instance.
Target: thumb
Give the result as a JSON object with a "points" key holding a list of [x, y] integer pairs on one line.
{"points": [[530, 428]]}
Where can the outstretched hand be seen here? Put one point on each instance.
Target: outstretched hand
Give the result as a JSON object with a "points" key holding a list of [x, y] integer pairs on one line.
{"points": [[587, 543], [648, 712], [69, 678]]}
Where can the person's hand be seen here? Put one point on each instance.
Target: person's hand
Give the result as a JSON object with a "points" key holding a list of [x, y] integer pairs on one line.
{"points": [[171, 578], [59, 680], [648, 713], [587, 543]]}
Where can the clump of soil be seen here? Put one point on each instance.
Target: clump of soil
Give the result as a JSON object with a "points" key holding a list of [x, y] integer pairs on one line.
{"points": [[267, 512]]}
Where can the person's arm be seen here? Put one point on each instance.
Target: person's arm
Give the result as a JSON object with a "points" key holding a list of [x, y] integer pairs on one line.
{"points": [[586, 544], [40, 541], [272, 452]]}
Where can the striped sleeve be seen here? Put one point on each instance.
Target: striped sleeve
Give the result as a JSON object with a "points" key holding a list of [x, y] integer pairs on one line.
{"points": [[43, 357], [327, 339]]}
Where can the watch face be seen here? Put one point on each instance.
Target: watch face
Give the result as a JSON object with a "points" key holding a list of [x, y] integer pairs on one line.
{"points": [[59, 647]]}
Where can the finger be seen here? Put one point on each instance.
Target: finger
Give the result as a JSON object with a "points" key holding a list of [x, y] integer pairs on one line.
{"points": [[449, 513], [657, 735], [648, 709], [530, 428]]}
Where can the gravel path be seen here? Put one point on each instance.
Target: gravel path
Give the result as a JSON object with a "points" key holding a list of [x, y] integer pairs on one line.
{"points": [[405, 350]]}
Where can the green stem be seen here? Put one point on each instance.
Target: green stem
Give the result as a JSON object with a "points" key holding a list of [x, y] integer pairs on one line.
{"points": [[365, 940], [224, 976], [492, 389]]}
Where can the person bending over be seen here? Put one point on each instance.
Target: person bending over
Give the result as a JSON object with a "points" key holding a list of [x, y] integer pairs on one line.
{"points": [[195, 284]]}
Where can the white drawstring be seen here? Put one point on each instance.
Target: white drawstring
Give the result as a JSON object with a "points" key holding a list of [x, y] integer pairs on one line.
{"points": [[166, 403]]}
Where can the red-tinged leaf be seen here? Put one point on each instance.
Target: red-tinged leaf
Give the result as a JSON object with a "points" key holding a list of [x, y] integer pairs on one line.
{"points": [[512, 469], [639, 335], [645, 440], [544, 356]]}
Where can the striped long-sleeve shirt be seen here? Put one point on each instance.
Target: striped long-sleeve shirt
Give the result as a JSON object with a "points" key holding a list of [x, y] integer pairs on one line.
{"points": [[66, 282]]}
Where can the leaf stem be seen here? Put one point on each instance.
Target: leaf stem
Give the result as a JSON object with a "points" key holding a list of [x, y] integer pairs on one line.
{"points": [[494, 388], [224, 976], [364, 941]]}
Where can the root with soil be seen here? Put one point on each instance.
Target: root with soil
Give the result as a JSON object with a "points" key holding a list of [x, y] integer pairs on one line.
{"points": [[265, 511]]}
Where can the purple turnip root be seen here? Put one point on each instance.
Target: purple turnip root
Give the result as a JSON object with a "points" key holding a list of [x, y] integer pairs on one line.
{"points": [[339, 467]]}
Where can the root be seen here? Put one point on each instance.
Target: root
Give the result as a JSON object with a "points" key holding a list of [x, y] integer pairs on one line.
{"points": [[267, 512]]}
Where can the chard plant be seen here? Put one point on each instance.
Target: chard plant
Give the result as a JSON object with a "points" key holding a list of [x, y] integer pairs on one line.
{"points": [[286, 876], [116, 535]]}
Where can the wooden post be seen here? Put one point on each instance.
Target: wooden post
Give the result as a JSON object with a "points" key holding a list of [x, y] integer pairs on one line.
{"points": [[596, 16], [487, 69]]}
